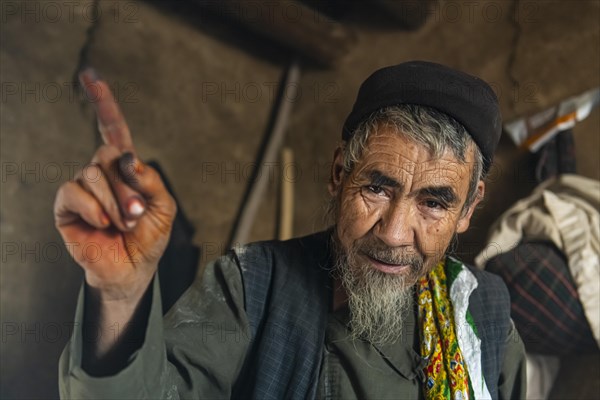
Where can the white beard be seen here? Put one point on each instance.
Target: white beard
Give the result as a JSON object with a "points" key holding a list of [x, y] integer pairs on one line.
{"points": [[378, 302]]}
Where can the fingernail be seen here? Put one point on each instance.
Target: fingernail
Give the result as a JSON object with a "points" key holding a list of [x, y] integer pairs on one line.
{"points": [[135, 207], [104, 219], [130, 223], [88, 79], [88, 75], [128, 165]]}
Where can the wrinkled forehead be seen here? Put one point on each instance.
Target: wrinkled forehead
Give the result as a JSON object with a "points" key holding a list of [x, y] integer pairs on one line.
{"points": [[385, 129], [396, 155]]}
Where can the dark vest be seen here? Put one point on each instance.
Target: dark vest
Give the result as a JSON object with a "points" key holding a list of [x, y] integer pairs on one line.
{"points": [[287, 298]]}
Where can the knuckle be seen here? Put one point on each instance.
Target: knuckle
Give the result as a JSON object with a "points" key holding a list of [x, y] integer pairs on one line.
{"points": [[91, 173], [64, 191], [151, 173], [106, 151], [106, 156], [59, 198], [149, 178], [61, 190], [156, 181]]}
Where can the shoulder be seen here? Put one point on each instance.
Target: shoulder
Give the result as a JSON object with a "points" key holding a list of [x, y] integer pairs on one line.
{"points": [[483, 289], [276, 274], [490, 284], [490, 306], [491, 291], [312, 249]]}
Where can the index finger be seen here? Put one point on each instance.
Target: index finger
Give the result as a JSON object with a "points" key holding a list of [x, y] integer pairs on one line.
{"points": [[111, 123]]}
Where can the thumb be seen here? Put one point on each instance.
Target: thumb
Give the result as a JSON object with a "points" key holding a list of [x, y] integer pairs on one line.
{"points": [[145, 180]]}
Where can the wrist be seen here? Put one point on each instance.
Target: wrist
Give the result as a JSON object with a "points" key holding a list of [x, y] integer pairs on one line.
{"points": [[128, 291]]}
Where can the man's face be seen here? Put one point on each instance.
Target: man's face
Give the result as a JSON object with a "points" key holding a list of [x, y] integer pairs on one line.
{"points": [[396, 214], [399, 204]]}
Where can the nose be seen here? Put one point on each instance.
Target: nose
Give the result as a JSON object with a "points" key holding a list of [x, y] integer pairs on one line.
{"points": [[396, 226]]}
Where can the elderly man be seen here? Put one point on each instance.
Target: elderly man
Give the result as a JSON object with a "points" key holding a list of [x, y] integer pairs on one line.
{"points": [[372, 308]]}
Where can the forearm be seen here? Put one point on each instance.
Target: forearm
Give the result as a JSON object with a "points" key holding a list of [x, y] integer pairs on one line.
{"points": [[135, 375], [113, 328], [183, 355]]}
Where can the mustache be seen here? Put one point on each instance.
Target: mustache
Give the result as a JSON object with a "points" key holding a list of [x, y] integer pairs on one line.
{"points": [[374, 248]]}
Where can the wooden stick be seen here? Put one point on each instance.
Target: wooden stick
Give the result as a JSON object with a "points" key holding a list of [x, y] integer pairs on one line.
{"points": [[268, 155], [286, 209]]}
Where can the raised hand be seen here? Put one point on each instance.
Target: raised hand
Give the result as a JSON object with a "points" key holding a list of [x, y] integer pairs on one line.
{"points": [[116, 215]]}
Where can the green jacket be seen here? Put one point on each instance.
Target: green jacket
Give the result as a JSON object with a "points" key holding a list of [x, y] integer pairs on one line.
{"points": [[205, 345]]}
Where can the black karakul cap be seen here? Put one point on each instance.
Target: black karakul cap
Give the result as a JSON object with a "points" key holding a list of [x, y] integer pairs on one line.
{"points": [[464, 97]]}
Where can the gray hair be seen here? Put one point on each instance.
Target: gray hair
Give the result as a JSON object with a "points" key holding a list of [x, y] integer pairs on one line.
{"points": [[425, 125]]}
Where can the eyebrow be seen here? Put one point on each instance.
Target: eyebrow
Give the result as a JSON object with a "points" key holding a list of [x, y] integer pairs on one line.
{"points": [[379, 179], [443, 193]]}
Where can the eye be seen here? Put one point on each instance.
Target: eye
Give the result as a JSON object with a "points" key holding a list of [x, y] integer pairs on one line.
{"points": [[436, 205], [375, 192], [375, 189]]}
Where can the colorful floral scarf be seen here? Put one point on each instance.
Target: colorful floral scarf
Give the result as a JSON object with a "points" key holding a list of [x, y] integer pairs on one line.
{"points": [[446, 373]]}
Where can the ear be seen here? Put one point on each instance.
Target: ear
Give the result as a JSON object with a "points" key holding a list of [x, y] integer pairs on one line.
{"points": [[337, 172], [465, 219]]}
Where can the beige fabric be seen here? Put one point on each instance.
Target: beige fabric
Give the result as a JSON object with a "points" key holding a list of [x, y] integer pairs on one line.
{"points": [[541, 374], [564, 210]]}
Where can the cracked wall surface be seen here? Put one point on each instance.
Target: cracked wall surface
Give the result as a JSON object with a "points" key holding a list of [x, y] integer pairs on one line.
{"points": [[37, 61], [197, 93], [167, 75]]}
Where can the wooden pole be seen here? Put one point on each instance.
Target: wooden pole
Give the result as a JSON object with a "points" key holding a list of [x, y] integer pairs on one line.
{"points": [[268, 154], [286, 209]]}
